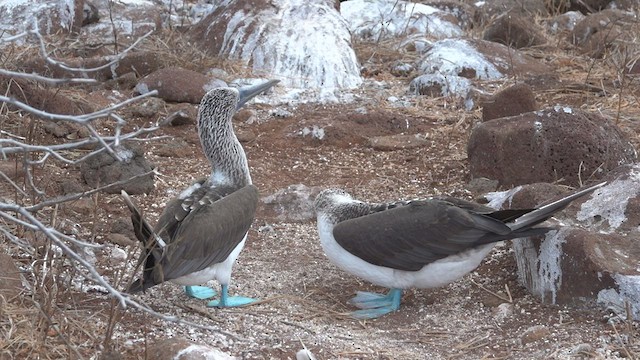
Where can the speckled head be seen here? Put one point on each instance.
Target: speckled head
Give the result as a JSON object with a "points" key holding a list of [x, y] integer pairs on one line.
{"points": [[327, 200]]}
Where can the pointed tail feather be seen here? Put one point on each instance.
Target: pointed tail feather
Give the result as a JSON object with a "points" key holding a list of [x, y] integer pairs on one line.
{"points": [[544, 212], [141, 227]]}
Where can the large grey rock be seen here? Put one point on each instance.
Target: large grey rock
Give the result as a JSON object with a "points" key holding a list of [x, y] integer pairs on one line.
{"points": [[266, 36], [103, 169], [554, 144]]}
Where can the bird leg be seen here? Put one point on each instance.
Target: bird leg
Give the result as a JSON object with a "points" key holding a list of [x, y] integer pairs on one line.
{"points": [[230, 301], [375, 305], [199, 292]]}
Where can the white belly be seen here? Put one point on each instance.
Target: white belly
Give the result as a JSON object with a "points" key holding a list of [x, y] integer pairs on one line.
{"points": [[438, 273], [219, 271]]}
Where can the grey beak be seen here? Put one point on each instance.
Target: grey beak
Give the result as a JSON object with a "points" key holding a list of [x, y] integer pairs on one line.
{"points": [[249, 92]]}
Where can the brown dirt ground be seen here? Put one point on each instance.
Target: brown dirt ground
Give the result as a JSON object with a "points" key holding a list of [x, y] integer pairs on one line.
{"points": [[304, 296]]}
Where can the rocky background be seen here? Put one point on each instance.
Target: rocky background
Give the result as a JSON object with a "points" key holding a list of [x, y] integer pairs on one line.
{"points": [[506, 102]]}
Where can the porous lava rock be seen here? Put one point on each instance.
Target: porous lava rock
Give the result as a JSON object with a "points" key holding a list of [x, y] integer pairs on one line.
{"points": [[513, 100], [554, 144]]}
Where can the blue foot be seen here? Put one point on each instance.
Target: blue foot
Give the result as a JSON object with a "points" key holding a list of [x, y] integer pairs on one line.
{"points": [[230, 301], [200, 292], [375, 305]]}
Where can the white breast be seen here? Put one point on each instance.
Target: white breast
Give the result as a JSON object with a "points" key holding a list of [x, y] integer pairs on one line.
{"points": [[438, 273], [219, 271]]}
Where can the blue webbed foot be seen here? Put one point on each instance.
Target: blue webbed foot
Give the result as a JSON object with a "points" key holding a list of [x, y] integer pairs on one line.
{"points": [[230, 301], [200, 292], [375, 305]]}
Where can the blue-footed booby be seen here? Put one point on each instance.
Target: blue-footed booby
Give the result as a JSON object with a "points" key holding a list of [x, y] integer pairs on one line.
{"points": [[419, 243], [201, 232]]}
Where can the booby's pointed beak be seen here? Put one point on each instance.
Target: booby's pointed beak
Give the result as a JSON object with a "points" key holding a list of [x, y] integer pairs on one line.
{"points": [[249, 92]]}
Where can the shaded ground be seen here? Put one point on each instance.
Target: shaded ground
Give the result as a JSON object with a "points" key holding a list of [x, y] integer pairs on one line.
{"points": [[304, 296]]}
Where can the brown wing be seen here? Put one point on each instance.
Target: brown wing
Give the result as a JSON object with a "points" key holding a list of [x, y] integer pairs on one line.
{"points": [[209, 225], [412, 236]]}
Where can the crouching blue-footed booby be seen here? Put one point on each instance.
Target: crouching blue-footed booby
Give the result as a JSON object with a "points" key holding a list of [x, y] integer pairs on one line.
{"points": [[419, 243], [201, 232]]}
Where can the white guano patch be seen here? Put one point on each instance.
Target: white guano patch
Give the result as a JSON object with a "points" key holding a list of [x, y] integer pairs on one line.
{"points": [[497, 198], [449, 57], [605, 209], [379, 19], [549, 263], [271, 42]]}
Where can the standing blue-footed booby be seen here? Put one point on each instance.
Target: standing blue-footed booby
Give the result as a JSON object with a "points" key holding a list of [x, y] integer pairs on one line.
{"points": [[201, 232], [417, 244]]}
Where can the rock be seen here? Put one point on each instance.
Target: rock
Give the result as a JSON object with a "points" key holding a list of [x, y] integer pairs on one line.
{"points": [[503, 312], [594, 264], [401, 18], [182, 349], [534, 333], [478, 59], [266, 38], [103, 169], [10, 281], [557, 143], [177, 148], [11, 169], [245, 135], [480, 186], [133, 19], [514, 30], [49, 100], [397, 142], [575, 266], [293, 203], [138, 63], [120, 239], [148, 108], [514, 100], [615, 207], [81, 206], [487, 10], [90, 13], [598, 32], [437, 85], [564, 22], [51, 16], [177, 85], [463, 13], [587, 6], [183, 115]]}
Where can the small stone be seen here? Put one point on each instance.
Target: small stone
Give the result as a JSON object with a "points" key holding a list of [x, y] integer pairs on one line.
{"points": [[245, 136], [120, 239], [503, 311], [534, 333], [582, 350]]}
